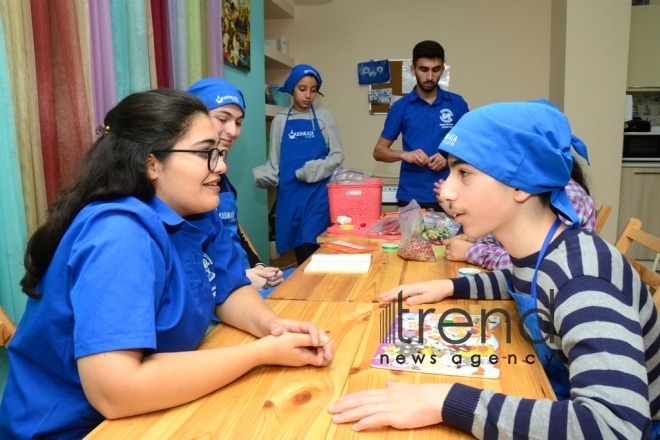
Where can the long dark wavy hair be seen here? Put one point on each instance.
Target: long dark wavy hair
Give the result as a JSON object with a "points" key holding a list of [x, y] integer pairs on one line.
{"points": [[115, 166]]}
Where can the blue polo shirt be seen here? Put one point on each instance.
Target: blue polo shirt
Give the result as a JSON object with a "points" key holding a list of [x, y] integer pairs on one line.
{"points": [[423, 126], [126, 275]]}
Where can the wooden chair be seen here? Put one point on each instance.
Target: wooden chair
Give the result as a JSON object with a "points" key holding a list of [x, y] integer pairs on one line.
{"points": [[242, 231], [602, 214], [7, 328], [633, 232]]}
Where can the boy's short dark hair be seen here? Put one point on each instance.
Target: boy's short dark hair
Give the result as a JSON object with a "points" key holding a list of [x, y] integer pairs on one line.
{"points": [[428, 49]]}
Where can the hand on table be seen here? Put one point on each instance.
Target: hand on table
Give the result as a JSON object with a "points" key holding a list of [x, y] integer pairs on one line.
{"points": [[417, 157], [392, 406], [437, 162], [421, 293], [264, 277], [296, 350], [319, 343], [457, 248]]}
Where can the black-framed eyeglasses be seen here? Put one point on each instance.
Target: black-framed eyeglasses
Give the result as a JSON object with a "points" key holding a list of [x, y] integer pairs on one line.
{"points": [[213, 155]]}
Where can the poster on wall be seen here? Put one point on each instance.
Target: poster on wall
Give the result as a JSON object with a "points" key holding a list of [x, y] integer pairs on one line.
{"points": [[236, 33]]}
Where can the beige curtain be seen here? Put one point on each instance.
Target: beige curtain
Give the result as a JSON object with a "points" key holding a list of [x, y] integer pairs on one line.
{"points": [[150, 44], [17, 22], [82, 14]]}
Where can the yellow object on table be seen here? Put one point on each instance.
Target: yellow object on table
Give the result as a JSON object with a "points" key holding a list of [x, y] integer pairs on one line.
{"points": [[440, 251]]}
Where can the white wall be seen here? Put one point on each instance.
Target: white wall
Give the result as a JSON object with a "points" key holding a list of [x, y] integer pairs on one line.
{"points": [[596, 66], [498, 50], [574, 52]]}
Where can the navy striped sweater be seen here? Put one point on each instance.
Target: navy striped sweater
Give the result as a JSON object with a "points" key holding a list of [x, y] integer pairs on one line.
{"points": [[606, 333]]}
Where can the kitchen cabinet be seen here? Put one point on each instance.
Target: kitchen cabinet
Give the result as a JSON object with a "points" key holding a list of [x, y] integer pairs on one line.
{"points": [[640, 184], [644, 49]]}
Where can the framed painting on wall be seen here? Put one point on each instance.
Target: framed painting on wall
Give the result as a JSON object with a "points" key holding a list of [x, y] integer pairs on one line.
{"points": [[236, 33]]}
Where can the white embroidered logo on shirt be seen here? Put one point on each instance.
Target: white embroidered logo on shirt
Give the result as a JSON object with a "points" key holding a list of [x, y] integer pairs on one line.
{"points": [[207, 262], [227, 215], [446, 115]]}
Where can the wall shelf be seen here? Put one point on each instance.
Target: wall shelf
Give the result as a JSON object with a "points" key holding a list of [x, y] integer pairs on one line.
{"points": [[278, 9], [276, 59]]}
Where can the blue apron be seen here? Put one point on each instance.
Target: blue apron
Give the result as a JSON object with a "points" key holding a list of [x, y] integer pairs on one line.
{"points": [[556, 371], [228, 212], [303, 211]]}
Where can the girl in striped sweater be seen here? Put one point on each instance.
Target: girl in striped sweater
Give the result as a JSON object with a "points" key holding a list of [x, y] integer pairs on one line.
{"points": [[603, 336]]}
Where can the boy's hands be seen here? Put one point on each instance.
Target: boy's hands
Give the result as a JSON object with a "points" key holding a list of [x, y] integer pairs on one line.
{"points": [[421, 293]]}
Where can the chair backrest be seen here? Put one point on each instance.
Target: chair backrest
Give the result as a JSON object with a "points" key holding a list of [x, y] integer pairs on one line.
{"points": [[7, 328], [242, 231], [633, 232], [602, 214]]}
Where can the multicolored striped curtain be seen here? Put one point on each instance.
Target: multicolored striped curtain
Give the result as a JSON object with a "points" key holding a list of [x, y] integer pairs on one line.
{"points": [[13, 233], [63, 65]]}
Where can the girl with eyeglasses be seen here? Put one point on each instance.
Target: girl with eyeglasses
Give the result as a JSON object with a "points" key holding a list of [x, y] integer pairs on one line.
{"points": [[125, 277]]}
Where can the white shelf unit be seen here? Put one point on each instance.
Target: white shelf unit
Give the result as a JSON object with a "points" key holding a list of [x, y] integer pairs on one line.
{"points": [[278, 9], [276, 59]]}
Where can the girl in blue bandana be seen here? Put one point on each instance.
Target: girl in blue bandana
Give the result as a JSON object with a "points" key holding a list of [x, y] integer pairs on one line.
{"points": [[226, 107], [305, 149], [125, 277], [604, 356]]}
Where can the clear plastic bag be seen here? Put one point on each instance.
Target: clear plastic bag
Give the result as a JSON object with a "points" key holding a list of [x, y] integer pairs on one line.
{"points": [[385, 226], [347, 175], [414, 244], [439, 227]]}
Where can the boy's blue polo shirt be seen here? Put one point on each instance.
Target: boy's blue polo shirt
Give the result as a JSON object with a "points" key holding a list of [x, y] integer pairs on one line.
{"points": [[126, 275], [423, 126]]}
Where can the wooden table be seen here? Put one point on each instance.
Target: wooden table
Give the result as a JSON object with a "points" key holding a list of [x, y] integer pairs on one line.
{"points": [[291, 403], [325, 238], [268, 402], [387, 270], [519, 379]]}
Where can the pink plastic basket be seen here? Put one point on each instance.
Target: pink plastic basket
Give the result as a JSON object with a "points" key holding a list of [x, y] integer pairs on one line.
{"points": [[361, 202]]}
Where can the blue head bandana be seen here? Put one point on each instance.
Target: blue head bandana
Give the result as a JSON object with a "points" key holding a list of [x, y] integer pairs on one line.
{"points": [[526, 145], [297, 73], [217, 92]]}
